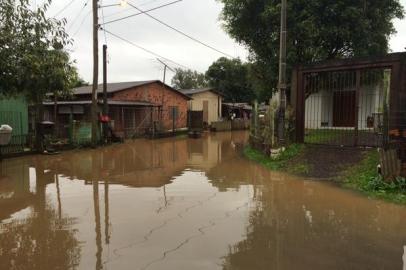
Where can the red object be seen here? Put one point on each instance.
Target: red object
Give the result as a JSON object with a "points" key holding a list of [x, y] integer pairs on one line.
{"points": [[104, 118]]}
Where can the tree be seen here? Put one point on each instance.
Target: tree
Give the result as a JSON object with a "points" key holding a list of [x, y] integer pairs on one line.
{"points": [[317, 29], [188, 79], [31, 49], [230, 77]]}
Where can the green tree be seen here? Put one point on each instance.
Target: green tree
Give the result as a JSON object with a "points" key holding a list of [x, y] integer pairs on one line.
{"points": [[317, 30], [230, 77], [188, 79], [31, 51]]}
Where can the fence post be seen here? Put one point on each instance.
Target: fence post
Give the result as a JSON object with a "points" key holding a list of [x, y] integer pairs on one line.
{"points": [[256, 119], [173, 122], [357, 107], [386, 91]]}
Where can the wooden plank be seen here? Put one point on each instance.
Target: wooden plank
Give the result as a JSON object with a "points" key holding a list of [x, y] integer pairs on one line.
{"points": [[390, 164]]}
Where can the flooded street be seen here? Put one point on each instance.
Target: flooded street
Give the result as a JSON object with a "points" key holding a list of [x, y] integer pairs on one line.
{"points": [[186, 204]]}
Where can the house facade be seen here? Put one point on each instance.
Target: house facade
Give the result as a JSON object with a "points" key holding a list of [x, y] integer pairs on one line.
{"points": [[207, 100], [135, 108], [336, 108]]}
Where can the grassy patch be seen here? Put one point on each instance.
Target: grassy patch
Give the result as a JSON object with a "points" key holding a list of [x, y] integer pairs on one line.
{"points": [[364, 177], [281, 162], [321, 136]]}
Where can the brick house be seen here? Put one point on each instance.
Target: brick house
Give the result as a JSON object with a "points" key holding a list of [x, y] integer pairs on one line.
{"points": [[134, 107]]}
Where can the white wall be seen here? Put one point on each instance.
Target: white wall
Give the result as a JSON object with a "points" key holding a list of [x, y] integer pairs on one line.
{"points": [[319, 107]]}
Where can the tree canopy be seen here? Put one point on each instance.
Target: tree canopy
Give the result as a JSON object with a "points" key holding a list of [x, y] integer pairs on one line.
{"points": [[317, 30], [32, 57], [188, 79], [230, 77]]}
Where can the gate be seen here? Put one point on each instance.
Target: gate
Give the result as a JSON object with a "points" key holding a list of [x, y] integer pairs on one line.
{"points": [[347, 102]]}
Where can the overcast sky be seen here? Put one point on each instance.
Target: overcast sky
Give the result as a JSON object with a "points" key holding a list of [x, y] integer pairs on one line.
{"points": [[198, 18]]}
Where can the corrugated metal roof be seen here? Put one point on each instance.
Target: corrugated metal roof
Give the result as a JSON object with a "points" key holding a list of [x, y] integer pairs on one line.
{"points": [[110, 102], [244, 106], [191, 92], [111, 87], [116, 87]]}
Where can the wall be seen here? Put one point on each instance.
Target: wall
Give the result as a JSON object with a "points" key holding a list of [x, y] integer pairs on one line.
{"points": [[319, 107], [158, 94], [197, 105]]}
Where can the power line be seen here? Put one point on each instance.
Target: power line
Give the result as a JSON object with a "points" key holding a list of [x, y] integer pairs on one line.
{"points": [[139, 13], [81, 24], [126, 10], [146, 50], [77, 16], [181, 32], [105, 36], [65, 7]]}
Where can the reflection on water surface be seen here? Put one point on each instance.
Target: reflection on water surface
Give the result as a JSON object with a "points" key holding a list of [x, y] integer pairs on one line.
{"points": [[185, 204]]}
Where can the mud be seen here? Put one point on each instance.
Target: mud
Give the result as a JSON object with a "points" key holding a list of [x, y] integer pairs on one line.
{"points": [[186, 204]]}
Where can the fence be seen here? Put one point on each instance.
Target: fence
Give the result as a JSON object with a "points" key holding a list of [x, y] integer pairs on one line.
{"points": [[346, 107], [354, 102], [20, 140], [18, 144]]}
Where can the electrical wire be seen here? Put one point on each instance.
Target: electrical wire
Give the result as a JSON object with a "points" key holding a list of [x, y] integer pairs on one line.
{"points": [[77, 16], [126, 10], [139, 13], [104, 30], [81, 24], [146, 50], [181, 32], [65, 7]]}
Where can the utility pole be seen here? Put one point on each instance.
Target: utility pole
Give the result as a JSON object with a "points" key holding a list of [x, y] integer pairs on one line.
{"points": [[164, 79], [105, 104], [282, 74], [95, 71], [165, 73], [165, 68]]}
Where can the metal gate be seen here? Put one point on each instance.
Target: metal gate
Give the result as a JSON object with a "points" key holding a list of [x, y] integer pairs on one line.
{"points": [[351, 102], [346, 108]]}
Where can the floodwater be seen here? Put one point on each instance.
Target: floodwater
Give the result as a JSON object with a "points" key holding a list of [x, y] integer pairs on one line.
{"points": [[186, 204]]}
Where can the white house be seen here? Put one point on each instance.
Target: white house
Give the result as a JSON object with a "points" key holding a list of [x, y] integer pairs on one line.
{"points": [[337, 108]]}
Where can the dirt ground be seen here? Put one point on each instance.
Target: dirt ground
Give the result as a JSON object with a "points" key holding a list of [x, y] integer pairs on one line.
{"points": [[328, 162]]}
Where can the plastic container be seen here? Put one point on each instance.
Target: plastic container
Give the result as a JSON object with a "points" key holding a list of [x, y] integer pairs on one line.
{"points": [[5, 134]]}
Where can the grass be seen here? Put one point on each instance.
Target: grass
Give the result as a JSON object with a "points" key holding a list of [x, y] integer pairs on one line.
{"points": [[321, 136], [281, 163], [364, 177]]}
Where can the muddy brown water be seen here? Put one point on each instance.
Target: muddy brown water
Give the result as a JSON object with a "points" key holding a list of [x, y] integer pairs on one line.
{"points": [[186, 204]]}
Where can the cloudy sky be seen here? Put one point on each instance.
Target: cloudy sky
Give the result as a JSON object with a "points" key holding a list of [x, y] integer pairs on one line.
{"points": [[198, 18]]}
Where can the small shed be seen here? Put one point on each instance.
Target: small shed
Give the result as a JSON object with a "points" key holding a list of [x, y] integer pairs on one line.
{"points": [[207, 100]]}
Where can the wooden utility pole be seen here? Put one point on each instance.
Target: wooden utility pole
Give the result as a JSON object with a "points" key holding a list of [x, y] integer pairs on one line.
{"points": [[165, 68], [164, 79], [282, 74], [105, 104], [95, 71]]}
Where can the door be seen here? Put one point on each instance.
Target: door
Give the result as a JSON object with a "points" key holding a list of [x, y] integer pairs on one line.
{"points": [[206, 111], [344, 109]]}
